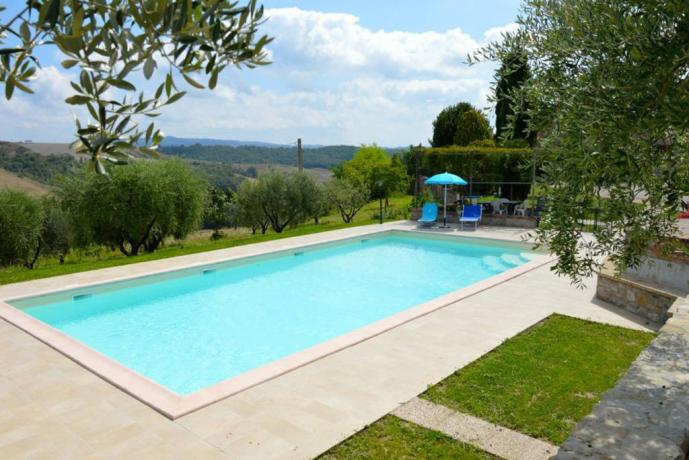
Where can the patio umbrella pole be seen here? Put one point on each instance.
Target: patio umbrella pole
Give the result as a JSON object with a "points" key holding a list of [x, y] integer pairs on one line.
{"points": [[445, 207]]}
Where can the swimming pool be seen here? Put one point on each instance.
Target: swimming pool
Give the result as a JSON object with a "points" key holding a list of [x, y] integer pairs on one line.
{"points": [[191, 329]]}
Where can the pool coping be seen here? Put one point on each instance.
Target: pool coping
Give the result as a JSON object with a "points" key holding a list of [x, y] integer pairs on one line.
{"points": [[174, 406]]}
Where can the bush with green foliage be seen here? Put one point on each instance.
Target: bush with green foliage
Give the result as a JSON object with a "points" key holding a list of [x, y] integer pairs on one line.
{"points": [[515, 143], [21, 218], [489, 143], [609, 95], [347, 197], [139, 206]]}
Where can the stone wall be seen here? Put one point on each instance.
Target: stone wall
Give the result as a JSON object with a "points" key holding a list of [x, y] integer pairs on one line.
{"points": [[646, 415], [509, 221], [641, 299], [674, 274]]}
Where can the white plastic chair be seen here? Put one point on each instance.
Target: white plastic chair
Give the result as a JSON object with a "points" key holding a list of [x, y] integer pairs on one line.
{"points": [[520, 209], [497, 206]]}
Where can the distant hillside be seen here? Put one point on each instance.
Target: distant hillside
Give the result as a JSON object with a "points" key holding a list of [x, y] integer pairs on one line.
{"points": [[319, 157], [46, 148], [11, 181], [42, 168], [176, 141]]}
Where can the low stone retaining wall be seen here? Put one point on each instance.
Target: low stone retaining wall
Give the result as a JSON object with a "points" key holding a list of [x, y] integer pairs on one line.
{"points": [[671, 273], [509, 221], [639, 298], [646, 415]]}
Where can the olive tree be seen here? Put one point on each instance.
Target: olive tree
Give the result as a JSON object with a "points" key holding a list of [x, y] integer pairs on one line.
{"points": [[609, 95], [347, 197], [21, 218], [248, 207], [137, 207], [56, 232], [285, 199], [217, 212], [110, 42], [313, 201]]}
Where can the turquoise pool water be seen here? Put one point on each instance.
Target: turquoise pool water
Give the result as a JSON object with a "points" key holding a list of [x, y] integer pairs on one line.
{"points": [[188, 332]]}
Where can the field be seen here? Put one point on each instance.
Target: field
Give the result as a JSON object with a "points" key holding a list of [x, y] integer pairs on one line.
{"points": [[11, 181]]}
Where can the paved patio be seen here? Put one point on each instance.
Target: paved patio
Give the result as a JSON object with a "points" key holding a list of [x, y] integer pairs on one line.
{"points": [[50, 407]]}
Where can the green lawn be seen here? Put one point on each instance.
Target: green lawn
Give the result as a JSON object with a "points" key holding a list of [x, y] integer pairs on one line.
{"points": [[543, 381], [393, 438], [79, 261]]}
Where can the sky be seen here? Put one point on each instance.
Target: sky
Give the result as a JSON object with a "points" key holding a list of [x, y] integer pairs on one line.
{"points": [[342, 72]]}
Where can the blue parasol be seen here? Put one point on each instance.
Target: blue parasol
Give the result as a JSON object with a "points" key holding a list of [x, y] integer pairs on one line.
{"points": [[445, 179]]}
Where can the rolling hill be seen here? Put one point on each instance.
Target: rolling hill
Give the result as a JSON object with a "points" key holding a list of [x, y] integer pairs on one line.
{"points": [[12, 181]]}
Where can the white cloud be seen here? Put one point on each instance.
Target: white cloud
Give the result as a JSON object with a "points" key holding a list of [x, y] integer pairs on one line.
{"points": [[337, 41], [496, 34], [43, 115], [332, 81]]}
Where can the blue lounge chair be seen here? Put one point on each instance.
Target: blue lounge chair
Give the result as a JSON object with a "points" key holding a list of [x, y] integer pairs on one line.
{"points": [[470, 213], [429, 215]]}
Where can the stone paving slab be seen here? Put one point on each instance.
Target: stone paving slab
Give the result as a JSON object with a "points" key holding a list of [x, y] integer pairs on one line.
{"points": [[494, 439]]}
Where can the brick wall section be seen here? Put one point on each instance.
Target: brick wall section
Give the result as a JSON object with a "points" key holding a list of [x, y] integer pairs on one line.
{"points": [[646, 415], [637, 298]]}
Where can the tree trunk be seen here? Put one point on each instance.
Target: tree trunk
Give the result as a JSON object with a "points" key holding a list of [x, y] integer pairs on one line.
{"points": [[123, 249], [30, 263]]}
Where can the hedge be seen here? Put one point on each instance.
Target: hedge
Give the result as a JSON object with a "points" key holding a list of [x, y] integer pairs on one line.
{"points": [[479, 164]]}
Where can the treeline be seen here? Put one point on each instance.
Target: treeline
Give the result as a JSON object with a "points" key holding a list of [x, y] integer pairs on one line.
{"points": [[41, 168], [318, 157], [136, 207]]}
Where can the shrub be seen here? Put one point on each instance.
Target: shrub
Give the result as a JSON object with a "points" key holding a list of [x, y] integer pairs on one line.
{"points": [[483, 143], [140, 205], [21, 218], [347, 197], [515, 143]]}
